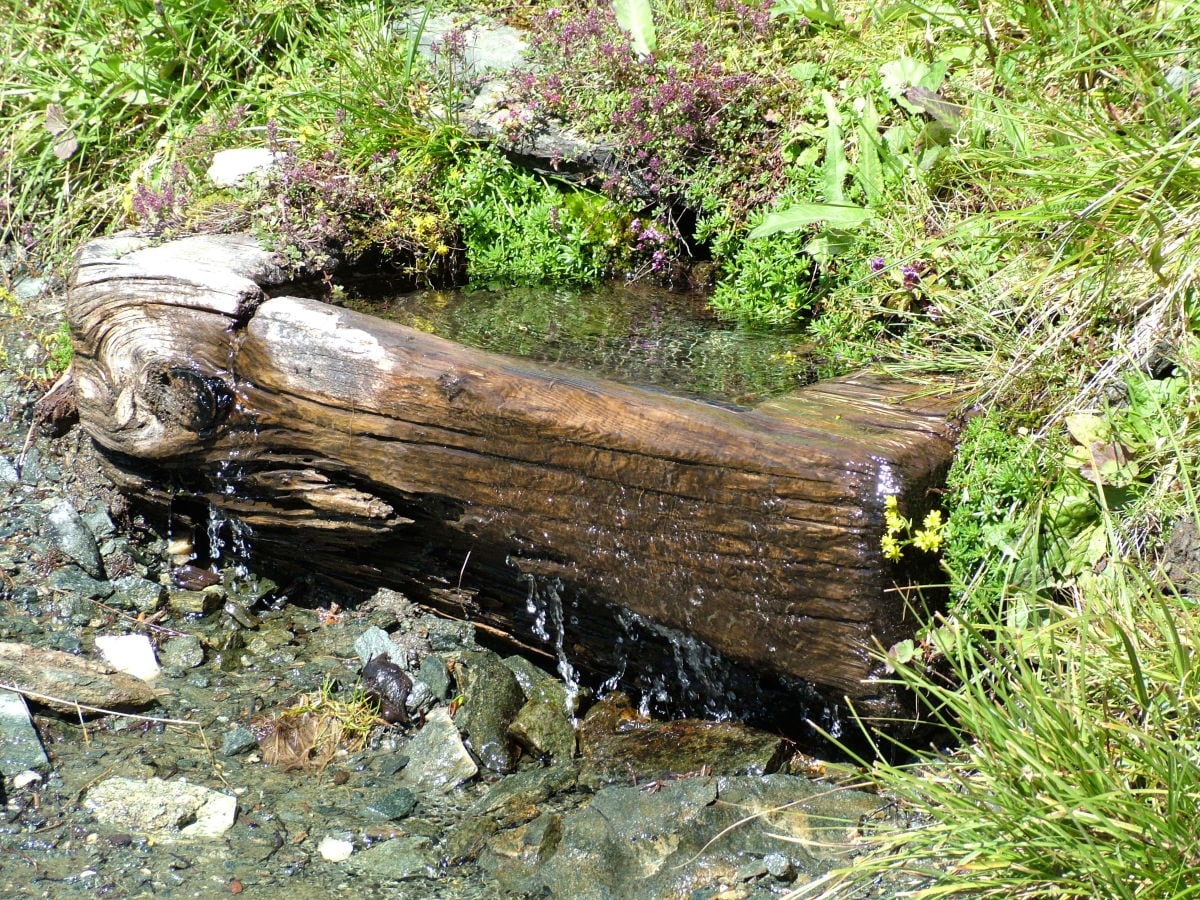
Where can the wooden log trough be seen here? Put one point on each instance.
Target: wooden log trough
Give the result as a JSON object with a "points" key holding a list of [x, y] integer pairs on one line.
{"points": [[491, 487]]}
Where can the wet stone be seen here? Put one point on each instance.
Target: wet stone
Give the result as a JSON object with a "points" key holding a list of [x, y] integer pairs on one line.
{"points": [[543, 729], [72, 536], [183, 652], [690, 837], [437, 758], [436, 675], [268, 639], [236, 741], [74, 580], [137, 594], [248, 591], [391, 764], [539, 685], [491, 700], [166, 809], [779, 865], [20, 747], [514, 856], [400, 858], [195, 603], [516, 799], [397, 804], [467, 839], [617, 746]]}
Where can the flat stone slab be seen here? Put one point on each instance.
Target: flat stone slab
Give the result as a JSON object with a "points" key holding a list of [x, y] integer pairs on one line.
{"points": [[20, 746], [169, 810]]}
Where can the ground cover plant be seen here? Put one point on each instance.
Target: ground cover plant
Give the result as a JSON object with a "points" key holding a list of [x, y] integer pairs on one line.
{"points": [[997, 199]]}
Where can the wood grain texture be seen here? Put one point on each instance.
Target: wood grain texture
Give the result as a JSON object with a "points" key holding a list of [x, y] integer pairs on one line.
{"points": [[370, 450]]}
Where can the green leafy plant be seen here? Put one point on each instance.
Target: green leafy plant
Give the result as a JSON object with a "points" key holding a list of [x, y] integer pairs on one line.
{"points": [[518, 227], [810, 12]]}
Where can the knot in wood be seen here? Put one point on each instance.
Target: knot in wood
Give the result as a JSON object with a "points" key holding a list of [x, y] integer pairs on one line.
{"points": [[187, 398]]}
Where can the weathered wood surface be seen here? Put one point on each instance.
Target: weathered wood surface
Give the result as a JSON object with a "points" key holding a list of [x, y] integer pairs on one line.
{"points": [[371, 451]]}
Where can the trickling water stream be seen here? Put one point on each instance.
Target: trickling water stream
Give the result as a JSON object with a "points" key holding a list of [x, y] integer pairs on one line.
{"points": [[545, 604]]}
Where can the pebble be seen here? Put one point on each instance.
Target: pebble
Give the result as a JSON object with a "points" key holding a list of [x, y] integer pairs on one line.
{"points": [[185, 652], [398, 804], [132, 654], [780, 866], [75, 539], [335, 849], [236, 741]]}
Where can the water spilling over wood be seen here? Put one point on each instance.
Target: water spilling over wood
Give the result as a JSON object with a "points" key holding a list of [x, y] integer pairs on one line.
{"points": [[366, 451]]}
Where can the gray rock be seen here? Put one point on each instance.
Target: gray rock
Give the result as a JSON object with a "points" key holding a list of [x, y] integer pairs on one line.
{"points": [[517, 798], [233, 168], [491, 700], [449, 635], [397, 804], [20, 747], [99, 523], [168, 810], [420, 698], [436, 675], [399, 858], [374, 641], [72, 536], [8, 472], [437, 758], [486, 46], [139, 594], [543, 729], [237, 740], [73, 580], [184, 652], [30, 287], [31, 469]]}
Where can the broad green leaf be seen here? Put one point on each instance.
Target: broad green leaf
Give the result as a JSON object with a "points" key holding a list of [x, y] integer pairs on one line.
{"points": [[637, 18], [801, 215], [835, 170], [902, 73], [870, 167], [805, 71], [1088, 428], [829, 244]]}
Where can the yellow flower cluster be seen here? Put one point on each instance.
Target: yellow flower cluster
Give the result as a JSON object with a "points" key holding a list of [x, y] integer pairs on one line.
{"points": [[929, 537]]}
